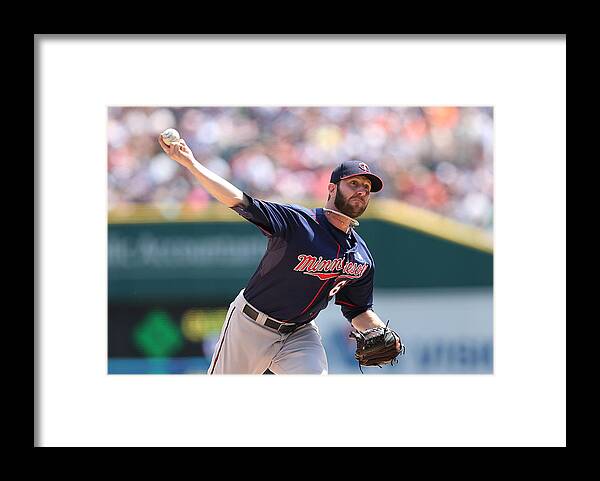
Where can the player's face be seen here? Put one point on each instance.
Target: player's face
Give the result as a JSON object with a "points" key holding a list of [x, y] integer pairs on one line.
{"points": [[352, 196]]}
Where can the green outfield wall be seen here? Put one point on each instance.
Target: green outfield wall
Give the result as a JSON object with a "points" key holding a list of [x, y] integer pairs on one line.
{"points": [[211, 261]]}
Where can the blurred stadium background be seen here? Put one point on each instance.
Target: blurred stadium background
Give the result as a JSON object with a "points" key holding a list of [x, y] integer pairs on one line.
{"points": [[176, 258]]}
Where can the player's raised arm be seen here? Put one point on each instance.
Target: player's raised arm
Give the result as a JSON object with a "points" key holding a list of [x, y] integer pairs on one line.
{"points": [[216, 186]]}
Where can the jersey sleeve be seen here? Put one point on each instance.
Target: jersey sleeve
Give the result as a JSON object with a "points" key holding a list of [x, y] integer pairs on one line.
{"points": [[357, 297], [271, 218]]}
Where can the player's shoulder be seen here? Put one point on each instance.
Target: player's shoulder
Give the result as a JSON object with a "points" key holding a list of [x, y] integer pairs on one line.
{"points": [[294, 208], [300, 209], [291, 209], [362, 243], [359, 239]]}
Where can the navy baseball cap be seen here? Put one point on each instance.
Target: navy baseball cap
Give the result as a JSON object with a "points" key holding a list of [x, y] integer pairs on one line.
{"points": [[353, 168]]}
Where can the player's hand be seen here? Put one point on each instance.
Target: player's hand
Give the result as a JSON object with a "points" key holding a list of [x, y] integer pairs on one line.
{"points": [[179, 151]]}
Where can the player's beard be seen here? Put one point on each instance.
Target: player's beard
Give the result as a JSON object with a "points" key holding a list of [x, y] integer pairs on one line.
{"points": [[348, 206]]}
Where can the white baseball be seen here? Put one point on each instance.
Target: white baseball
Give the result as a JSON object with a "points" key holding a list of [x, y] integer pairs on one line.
{"points": [[170, 136]]}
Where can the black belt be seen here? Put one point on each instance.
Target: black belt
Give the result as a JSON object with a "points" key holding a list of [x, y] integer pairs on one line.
{"points": [[272, 323]]}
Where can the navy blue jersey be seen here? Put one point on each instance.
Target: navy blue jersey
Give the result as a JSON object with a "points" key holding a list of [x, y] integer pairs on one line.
{"points": [[308, 261]]}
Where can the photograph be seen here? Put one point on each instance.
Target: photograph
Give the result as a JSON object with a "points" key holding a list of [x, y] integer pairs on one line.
{"points": [[353, 225], [300, 240]]}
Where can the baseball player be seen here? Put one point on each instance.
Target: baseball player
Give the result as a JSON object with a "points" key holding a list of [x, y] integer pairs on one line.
{"points": [[312, 256]]}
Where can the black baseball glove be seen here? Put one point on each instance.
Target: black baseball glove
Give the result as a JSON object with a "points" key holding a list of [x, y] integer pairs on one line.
{"points": [[377, 346]]}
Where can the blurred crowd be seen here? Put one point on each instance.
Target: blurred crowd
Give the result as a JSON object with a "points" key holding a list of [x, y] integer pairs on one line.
{"points": [[437, 158]]}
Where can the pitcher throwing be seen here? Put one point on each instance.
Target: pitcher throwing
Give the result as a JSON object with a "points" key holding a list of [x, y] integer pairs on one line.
{"points": [[312, 256]]}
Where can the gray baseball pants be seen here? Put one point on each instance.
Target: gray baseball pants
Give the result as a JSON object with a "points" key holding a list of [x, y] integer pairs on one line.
{"points": [[247, 346]]}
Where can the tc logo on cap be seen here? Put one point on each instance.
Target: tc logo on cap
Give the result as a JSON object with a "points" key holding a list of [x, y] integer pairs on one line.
{"points": [[364, 167]]}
